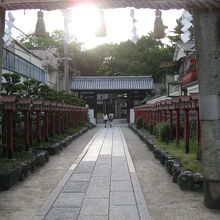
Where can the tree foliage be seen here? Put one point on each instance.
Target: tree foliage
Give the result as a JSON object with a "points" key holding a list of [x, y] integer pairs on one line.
{"points": [[126, 58], [36, 90]]}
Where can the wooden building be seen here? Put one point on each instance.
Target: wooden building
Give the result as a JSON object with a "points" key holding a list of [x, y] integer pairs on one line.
{"points": [[115, 94]]}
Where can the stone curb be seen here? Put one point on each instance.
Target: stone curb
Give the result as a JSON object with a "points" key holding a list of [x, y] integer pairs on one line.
{"points": [[10, 176], [186, 179], [20, 172]]}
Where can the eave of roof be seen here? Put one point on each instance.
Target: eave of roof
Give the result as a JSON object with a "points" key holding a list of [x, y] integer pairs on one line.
{"points": [[59, 4], [119, 83]]}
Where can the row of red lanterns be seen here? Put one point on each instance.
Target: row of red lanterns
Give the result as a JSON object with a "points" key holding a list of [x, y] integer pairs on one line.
{"points": [[28, 104], [182, 103]]}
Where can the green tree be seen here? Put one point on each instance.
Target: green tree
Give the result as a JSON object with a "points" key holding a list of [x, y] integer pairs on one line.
{"points": [[12, 85], [127, 58]]}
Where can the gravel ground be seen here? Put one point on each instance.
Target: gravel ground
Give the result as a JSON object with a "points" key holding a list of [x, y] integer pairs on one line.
{"points": [[25, 199], [165, 200]]}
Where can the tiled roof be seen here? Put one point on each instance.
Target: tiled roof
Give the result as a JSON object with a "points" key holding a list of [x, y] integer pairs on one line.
{"points": [[59, 4], [112, 83]]}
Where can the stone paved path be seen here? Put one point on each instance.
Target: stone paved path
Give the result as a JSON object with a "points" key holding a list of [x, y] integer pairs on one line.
{"points": [[101, 185]]}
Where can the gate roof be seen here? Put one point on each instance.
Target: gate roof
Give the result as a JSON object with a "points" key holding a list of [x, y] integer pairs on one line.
{"points": [[112, 83], [59, 4]]}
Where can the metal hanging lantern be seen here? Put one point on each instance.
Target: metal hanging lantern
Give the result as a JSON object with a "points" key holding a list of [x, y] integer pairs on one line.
{"points": [[158, 26], [101, 31], [40, 30]]}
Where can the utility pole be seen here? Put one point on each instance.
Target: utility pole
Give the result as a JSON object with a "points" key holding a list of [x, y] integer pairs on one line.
{"points": [[207, 40], [2, 32], [66, 59]]}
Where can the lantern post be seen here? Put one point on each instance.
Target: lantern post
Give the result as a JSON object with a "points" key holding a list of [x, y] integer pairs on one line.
{"points": [[9, 107], [63, 118], [195, 107], [53, 108], [176, 102], [37, 107], [155, 114], [169, 106], [46, 109], [59, 116], [185, 106], [24, 105]]}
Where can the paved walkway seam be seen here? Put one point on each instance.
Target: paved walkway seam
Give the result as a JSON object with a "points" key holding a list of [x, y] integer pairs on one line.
{"points": [[141, 203], [101, 184], [50, 200]]}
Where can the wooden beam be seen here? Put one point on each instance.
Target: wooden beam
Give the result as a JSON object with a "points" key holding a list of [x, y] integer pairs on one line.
{"points": [[59, 4]]}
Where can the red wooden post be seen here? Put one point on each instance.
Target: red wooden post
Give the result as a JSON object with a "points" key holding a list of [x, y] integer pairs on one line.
{"points": [[155, 118], [65, 119], [74, 118], [53, 124], [38, 127], [198, 134], [70, 121], [186, 130], [59, 121], [26, 129], [177, 126], [165, 115], [63, 122], [147, 118], [10, 133], [171, 123], [151, 118], [77, 118], [46, 133], [160, 115]]}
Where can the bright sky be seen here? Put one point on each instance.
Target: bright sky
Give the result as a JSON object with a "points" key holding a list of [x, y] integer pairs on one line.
{"points": [[84, 21]]}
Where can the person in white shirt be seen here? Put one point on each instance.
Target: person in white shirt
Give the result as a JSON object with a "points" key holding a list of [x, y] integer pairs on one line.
{"points": [[110, 118], [105, 118]]}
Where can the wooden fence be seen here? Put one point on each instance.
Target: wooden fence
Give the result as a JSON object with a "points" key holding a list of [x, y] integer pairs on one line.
{"points": [[50, 118], [165, 110]]}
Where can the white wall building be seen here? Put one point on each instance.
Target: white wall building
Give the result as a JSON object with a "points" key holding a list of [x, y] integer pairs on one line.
{"points": [[18, 59]]}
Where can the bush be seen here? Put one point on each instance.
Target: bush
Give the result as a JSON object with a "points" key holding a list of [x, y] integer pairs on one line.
{"points": [[162, 131], [144, 124], [151, 128], [181, 129], [139, 122]]}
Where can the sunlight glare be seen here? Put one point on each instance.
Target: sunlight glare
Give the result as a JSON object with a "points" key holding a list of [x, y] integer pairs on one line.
{"points": [[85, 19]]}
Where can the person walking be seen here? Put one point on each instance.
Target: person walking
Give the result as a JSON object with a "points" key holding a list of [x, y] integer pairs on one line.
{"points": [[110, 118], [105, 118]]}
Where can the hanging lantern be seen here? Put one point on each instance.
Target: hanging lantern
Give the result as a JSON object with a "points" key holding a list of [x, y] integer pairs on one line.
{"points": [[40, 30], [101, 31], [135, 37], [158, 26]]}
